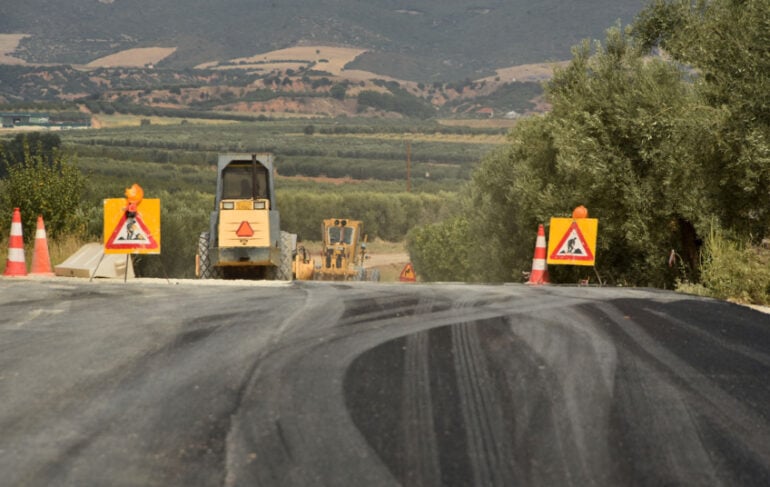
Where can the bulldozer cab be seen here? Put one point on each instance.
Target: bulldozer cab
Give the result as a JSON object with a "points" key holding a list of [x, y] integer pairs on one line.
{"points": [[244, 179]]}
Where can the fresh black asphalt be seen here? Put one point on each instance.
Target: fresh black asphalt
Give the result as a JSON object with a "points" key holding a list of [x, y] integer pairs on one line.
{"points": [[182, 383]]}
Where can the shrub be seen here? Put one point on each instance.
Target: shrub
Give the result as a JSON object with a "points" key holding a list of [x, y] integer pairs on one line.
{"points": [[732, 270]]}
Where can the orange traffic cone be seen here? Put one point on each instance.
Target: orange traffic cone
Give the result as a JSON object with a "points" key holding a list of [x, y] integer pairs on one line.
{"points": [[15, 265], [539, 274], [41, 260]]}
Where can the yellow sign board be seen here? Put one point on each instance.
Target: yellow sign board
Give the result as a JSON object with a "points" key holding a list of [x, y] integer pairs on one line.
{"points": [[572, 241], [131, 232]]}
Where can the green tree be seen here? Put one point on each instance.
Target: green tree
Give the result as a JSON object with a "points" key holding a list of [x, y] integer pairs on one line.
{"points": [[400, 102], [36, 143], [725, 45], [625, 138], [630, 136], [440, 251], [656, 149], [51, 187], [338, 91]]}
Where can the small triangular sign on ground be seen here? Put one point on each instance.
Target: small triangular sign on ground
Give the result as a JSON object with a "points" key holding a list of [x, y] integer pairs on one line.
{"points": [[572, 246], [407, 274], [131, 233]]}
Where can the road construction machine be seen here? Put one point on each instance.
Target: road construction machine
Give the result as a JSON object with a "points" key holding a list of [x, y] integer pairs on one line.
{"points": [[244, 240], [344, 252]]}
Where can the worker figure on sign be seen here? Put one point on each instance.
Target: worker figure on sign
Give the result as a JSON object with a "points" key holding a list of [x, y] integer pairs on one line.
{"points": [[571, 245], [131, 227]]}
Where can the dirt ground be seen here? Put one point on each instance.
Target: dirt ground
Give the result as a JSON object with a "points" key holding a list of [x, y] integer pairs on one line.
{"points": [[376, 260], [390, 265]]}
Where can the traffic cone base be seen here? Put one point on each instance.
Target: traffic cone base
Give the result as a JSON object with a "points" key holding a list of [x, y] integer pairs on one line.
{"points": [[539, 274], [15, 265], [41, 260]]}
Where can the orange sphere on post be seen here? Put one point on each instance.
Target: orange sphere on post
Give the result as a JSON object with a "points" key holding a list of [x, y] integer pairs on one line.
{"points": [[580, 212], [134, 194]]}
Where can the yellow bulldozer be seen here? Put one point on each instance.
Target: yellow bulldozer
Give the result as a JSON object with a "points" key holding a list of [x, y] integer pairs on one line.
{"points": [[244, 240], [343, 254]]}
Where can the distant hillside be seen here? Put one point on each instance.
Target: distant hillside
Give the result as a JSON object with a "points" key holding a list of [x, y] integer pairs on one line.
{"points": [[252, 90], [415, 40]]}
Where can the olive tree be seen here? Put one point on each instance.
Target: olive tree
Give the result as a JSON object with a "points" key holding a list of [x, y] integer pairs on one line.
{"points": [[724, 45], [624, 138], [47, 184]]}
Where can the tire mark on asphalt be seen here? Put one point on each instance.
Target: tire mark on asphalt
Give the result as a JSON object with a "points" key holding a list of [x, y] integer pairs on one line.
{"points": [[449, 411], [650, 409], [142, 365], [719, 342], [482, 415], [421, 462], [572, 370], [678, 397], [534, 408], [242, 451]]}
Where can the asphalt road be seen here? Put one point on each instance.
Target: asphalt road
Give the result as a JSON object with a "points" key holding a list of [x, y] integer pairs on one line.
{"points": [[158, 384]]}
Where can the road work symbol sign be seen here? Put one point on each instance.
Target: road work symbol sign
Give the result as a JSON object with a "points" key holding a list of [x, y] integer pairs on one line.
{"points": [[407, 274], [131, 232], [572, 241]]}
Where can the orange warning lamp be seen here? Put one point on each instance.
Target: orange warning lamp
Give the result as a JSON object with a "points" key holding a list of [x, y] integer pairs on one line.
{"points": [[134, 194], [580, 212]]}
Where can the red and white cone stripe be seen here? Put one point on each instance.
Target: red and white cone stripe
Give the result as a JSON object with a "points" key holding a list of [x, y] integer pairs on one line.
{"points": [[539, 274], [16, 265], [41, 260]]}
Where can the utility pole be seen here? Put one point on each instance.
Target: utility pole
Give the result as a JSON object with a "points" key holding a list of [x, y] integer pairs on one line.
{"points": [[408, 166]]}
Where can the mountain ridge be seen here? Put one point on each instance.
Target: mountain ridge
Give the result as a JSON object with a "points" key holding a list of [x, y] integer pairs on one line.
{"points": [[417, 40]]}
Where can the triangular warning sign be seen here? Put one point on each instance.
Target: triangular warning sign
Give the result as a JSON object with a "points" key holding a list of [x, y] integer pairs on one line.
{"points": [[407, 274], [572, 246], [245, 230], [131, 233]]}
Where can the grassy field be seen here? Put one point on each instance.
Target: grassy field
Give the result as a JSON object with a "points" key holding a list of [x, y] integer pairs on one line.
{"points": [[121, 121], [118, 120]]}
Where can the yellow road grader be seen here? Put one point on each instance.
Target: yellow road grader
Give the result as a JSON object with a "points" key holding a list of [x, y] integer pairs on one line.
{"points": [[344, 252]]}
